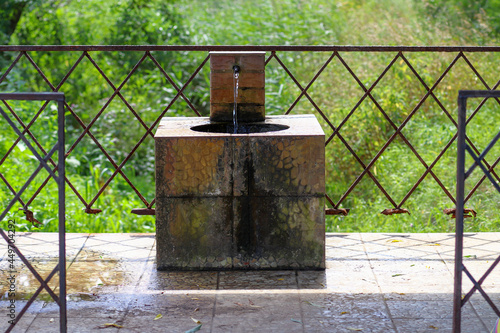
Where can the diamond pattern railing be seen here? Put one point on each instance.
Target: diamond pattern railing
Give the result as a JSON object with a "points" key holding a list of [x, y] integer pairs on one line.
{"points": [[277, 55]]}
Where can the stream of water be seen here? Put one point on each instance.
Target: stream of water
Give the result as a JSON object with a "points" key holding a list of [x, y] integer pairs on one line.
{"points": [[236, 77]]}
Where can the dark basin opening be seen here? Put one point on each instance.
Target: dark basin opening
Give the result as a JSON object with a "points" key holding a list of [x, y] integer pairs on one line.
{"points": [[242, 128]]}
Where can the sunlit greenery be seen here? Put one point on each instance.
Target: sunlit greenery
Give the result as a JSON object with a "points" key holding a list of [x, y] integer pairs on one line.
{"points": [[336, 92]]}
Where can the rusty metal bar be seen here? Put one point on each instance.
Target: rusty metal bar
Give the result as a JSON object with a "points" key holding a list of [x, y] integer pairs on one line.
{"points": [[311, 82], [305, 93], [336, 130], [27, 127], [393, 136], [276, 48], [24, 131], [172, 82], [4, 75], [19, 120], [143, 211], [414, 151], [335, 211], [148, 132]]}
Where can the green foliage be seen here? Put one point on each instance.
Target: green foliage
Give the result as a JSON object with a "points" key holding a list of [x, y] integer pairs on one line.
{"points": [[336, 92], [10, 13], [480, 17]]}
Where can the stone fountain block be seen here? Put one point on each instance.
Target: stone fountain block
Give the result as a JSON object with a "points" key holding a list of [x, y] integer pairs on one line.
{"points": [[251, 86], [240, 201]]}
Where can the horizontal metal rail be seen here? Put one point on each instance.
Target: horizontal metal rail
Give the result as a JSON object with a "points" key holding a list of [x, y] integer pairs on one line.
{"points": [[270, 48]]}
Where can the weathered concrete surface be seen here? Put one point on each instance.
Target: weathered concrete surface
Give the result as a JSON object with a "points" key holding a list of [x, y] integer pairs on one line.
{"points": [[245, 201]]}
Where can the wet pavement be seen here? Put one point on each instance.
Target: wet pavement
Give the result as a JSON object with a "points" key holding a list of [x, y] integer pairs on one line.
{"points": [[373, 283]]}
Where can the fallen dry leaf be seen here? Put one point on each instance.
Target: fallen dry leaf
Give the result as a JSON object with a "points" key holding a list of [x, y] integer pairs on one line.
{"points": [[110, 325], [158, 316]]}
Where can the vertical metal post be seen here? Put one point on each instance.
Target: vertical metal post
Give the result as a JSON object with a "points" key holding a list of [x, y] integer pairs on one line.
{"points": [[459, 213], [62, 216]]}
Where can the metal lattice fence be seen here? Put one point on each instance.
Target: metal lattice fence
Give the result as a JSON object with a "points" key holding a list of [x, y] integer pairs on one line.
{"points": [[333, 74]]}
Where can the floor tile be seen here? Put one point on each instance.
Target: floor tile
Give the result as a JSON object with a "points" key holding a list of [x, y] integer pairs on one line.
{"points": [[258, 312], [258, 280], [373, 282]]}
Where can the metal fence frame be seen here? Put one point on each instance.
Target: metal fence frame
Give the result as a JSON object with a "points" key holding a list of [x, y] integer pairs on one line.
{"points": [[60, 180], [396, 206], [335, 51], [462, 175]]}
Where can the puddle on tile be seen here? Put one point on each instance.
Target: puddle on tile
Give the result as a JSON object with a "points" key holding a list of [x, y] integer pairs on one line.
{"points": [[91, 274]]}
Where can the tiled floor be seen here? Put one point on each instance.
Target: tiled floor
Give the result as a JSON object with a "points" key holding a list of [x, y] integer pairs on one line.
{"points": [[373, 283]]}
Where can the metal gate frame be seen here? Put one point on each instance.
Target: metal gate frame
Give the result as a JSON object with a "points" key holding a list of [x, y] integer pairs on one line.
{"points": [[462, 175], [59, 179]]}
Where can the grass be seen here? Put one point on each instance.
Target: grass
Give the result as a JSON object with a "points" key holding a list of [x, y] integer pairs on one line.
{"points": [[291, 22]]}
